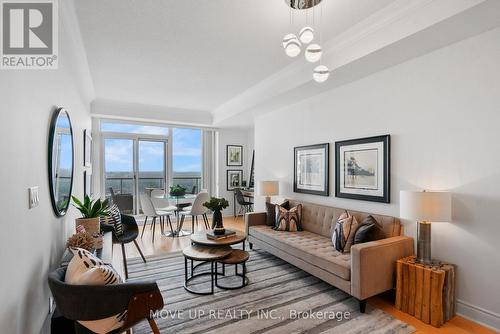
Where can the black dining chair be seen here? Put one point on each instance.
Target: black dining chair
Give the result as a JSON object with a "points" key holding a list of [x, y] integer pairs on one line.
{"points": [[95, 302], [125, 230], [245, 206]]}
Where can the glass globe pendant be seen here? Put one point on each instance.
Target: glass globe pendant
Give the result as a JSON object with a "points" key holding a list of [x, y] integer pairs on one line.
{"points": [[313, 53], [321, 73], [306, 35], [292, 45], [288, 38]]}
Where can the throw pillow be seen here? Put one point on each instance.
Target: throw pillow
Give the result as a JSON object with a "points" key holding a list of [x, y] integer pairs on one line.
{"points": [[369, 230], [343, 234], [271, 212], [288, 220], [86, 269], [114, 218]]}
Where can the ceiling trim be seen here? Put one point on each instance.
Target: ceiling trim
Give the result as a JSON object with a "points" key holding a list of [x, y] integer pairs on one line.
{"points": [[69, 22], [395, 22]]}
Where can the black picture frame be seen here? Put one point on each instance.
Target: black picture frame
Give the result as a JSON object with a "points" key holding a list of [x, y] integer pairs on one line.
{"points": [[233, 164], [229, 186], [252, 172], [87, 148], [341, 172], [87, 183], [325, 147]]}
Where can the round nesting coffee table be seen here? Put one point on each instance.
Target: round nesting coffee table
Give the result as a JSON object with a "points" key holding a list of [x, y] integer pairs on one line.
{"points": [[236, 257], [204, 254], [200, 238]]}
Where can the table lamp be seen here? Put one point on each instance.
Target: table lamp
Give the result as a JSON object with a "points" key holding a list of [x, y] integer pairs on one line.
{"points": [[425, 207], [268, 189]]}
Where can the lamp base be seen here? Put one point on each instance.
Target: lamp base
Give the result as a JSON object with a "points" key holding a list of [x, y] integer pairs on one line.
{"points": [[424, 242]]}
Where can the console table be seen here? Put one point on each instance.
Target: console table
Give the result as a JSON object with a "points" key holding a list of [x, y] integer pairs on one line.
{"points": [[426, 292]]}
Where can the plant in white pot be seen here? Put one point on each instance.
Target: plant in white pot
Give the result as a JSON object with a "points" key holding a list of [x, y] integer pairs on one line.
{"points": [[91, 211]]}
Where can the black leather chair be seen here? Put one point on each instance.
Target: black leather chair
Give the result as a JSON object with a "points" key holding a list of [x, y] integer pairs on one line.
{"points": [[94, 302], [130, 234], [245, 206]]}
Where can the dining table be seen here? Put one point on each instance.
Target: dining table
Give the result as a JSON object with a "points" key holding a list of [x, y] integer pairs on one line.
{"points": [[181, 201]]}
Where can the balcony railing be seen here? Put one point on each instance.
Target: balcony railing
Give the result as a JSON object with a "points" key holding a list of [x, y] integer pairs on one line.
{"points": [[125, 185]]}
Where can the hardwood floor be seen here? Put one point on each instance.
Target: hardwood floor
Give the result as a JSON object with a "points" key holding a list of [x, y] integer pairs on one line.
{"points": [[164, 245]]}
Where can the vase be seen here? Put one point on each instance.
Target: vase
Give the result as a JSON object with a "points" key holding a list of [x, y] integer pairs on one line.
{"points": [[217, 223], [92, 225]]}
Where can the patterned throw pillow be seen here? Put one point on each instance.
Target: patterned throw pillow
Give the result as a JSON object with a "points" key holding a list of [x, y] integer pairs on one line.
{"points": [[86, 269], [288, 220], [343, 234], [114, 218], [271, 212]]}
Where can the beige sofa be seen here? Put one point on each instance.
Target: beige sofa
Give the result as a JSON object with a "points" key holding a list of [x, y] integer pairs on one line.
{"points": [[367, 271]]}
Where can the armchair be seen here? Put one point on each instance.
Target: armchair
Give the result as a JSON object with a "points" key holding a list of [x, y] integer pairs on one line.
{"points": [[94, 302]]}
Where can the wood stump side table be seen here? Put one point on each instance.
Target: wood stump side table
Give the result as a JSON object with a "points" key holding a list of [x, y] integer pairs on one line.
{"points": [[426, 292]]}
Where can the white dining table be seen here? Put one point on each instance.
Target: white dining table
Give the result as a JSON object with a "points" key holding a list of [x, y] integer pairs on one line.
{"points": [[179, 200]]}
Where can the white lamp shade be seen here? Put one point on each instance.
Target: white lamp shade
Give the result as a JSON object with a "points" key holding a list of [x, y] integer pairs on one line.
{"points": [[269, 188], [431, 206]]}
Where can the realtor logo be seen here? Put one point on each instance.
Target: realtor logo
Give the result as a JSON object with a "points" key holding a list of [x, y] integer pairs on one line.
{"points": [[29, 34]]}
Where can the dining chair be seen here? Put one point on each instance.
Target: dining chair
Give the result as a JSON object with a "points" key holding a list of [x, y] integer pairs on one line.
{"points": [[197, 209], [245, 206], [149, 211], [160, 201]]}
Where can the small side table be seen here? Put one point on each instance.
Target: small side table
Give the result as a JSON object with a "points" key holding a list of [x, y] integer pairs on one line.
{"points": [[203, 254], [237, 257], [426, 292]]}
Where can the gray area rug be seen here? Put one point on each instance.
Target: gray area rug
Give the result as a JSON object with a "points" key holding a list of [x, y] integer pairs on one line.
{"points": [[279, 299]]}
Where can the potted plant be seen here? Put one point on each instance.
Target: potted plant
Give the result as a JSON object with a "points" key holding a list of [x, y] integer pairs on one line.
{"points": [[216, 205], [91, 210], [177, 190]]}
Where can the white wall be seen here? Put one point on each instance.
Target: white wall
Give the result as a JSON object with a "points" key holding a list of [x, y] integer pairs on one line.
{"points": [[443, 113], [232, 137], [32, 241]]}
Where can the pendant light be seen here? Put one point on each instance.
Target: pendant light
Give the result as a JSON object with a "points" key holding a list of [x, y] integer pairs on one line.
{"points": [[292, 45], [306, 35], [321, 73], [313, 53]]}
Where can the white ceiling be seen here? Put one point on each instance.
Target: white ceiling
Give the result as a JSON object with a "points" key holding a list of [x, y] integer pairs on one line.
{"points": [[195, 54]]}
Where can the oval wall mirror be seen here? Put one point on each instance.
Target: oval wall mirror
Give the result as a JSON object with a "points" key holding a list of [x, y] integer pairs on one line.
{"points": [[61, 161]]}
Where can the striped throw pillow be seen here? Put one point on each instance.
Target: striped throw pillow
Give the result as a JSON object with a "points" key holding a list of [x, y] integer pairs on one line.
{"points": [[115, 219], [343, 233]]}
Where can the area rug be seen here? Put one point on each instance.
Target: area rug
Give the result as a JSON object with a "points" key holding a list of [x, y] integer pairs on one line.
{"points": [[280, 298]]}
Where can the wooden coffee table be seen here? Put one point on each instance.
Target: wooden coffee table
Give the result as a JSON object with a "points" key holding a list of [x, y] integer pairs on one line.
{"points": [[203, 254], [200, 238]]}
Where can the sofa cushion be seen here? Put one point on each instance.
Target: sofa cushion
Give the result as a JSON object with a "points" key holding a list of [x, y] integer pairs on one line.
{"points": [[310, 247], [368, 231], [343, 233], [271, 212], [288, 220]]}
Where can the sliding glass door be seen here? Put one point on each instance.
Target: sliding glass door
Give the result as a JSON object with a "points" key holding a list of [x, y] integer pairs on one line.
{"points": [[133, 166]]}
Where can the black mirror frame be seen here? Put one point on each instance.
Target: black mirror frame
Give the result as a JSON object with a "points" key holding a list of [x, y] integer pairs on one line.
{"points": [[53, 122]]}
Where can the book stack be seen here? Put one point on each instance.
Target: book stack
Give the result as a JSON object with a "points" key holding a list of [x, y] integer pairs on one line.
{"points": [[227, 234]]}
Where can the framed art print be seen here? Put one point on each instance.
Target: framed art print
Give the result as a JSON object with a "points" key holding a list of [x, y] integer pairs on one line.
{"points": [[234, 155], [311, 169], [87, 148], [363, 169], [234, 178]]}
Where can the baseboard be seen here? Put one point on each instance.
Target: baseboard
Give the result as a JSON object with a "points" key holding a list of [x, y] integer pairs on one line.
{"points": [[480, 315]]}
